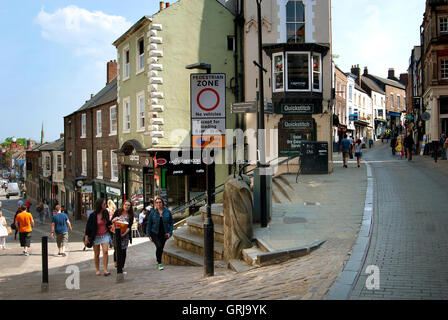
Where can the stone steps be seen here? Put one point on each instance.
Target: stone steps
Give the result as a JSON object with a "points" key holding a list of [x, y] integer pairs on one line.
{"points": [[217, 213], [195, 226], [194, 243]]}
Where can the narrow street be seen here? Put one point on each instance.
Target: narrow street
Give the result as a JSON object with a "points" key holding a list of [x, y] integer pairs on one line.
{"points": [[410, 231]]}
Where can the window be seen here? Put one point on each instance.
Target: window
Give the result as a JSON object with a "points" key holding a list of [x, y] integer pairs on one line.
{"points": [[69, 129], [84, 162], [298, 72], [398, 102], [113, 120], [83, 125], [99, 164], [444, 69], [126, 64], [114, 166], [99, 124], [392, 100], [47, 163], [278, 72], [70, 162], [141, 111], [317, 74], [140, 55], [350, 93], [59, 163], [443, 24], [230, 43], [126, 115], [295, 21]]}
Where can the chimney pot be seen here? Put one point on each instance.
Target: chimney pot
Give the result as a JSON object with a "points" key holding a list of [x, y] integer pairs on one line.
{"points": [[162, 5], [366, 71], [391, 73], [167, 5]]}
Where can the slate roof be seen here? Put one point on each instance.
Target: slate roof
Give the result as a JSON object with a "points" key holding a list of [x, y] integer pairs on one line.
{"points": [[57, 145], [388, 82], [105, 95], [372, 85]]}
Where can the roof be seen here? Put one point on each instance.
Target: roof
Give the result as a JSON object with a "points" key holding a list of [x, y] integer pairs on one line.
{"points": [[387, 82], [372, 84], [131, 30], [357, 87], [107, 94], [57, 145], [37, 147]]}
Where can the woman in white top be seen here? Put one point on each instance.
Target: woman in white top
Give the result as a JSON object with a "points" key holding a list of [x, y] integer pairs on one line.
{"points": [[358, 151], [3, 230]]}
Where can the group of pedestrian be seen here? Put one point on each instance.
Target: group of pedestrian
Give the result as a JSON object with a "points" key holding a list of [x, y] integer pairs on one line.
{"points": [[101, 228], [350, 146], [402, 146]]}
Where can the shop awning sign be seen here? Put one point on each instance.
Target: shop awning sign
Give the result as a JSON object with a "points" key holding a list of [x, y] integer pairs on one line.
{"points": [[208, 110], [113, 191], [86, 189]]}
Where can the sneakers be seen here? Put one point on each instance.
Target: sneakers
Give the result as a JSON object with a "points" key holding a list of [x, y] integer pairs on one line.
{"points": [[26, 253], [160, 266]]}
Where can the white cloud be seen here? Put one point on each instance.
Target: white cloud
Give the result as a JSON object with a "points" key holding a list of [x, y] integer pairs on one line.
{"points": [[86, 32]]}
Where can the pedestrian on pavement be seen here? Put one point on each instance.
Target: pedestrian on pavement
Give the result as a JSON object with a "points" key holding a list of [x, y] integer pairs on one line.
{"points": [[19, 210], [3, 230], [441, 144], [60, 226], [358, 152], [46, 210], [160, 228], [97, 234], [393, 144], [25, 224], [399, 147], [409, 144], [40, 211], [125, 213], [28, 205], [370, 143], [111, 208], [345, 148]]}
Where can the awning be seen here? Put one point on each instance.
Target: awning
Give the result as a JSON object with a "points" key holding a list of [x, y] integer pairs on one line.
{"points": [[361, 123], [394, 114]]}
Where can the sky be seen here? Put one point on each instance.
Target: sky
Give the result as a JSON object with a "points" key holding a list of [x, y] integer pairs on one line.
{"points": [[54, 52]]}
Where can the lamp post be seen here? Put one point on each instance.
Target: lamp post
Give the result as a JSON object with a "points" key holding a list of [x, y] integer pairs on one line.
{"points": [[208, 224], [261, 159]]}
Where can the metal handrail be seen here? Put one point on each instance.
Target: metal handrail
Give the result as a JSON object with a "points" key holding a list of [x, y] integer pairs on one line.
{"points": [[219, 189]]}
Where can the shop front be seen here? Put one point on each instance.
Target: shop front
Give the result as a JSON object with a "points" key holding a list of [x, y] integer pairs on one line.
{"points": [[394, 119], [361, 129], [380, 127]]}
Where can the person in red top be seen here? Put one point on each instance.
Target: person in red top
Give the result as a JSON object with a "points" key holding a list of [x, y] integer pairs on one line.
{"points": [[25, 224], [28, 205], [97, 234]]}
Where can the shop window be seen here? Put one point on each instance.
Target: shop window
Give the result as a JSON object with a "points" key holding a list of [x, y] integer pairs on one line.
{"points": [[295, 22], [317, 79], [298, 72], [278, 76]]}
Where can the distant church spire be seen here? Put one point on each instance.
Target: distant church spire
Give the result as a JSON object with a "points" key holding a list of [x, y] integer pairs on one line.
{"points": [[42, 135]]}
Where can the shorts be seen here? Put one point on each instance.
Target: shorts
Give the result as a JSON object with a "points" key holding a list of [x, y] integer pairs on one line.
{"points": [[345, 154], [62, 239], [101, 239], [358, 154], [25, 239]]}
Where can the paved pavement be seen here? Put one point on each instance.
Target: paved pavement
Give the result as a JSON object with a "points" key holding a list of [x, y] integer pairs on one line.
{"points": [[409, 242]]}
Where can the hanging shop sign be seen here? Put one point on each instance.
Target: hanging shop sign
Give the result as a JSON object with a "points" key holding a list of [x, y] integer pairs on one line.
{"points": [[86, 189], [296, 108], [113, 191]]}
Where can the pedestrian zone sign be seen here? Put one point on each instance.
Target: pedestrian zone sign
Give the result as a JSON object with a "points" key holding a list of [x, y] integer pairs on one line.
{"points": [[208, 110]]}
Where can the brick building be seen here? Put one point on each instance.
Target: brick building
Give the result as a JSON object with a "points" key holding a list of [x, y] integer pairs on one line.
{"points": [[340, 105], [91, 137]]}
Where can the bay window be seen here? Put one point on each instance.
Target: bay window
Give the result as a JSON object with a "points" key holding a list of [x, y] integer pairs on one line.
{"points": [[303, 72]]}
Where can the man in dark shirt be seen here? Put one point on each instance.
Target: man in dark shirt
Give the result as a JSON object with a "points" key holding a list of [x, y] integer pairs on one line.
{"points": [[345, 148], [409, 144]]}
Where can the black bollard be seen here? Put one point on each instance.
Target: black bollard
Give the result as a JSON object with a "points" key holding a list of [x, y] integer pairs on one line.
{"points": [[44, 286], [118, 253], [435, 145]]}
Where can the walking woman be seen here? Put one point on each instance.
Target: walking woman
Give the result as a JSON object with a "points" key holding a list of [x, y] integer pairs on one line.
{"points": [[125, 213], [160, 228], [97, 234], [3, 230], [358, 151]]}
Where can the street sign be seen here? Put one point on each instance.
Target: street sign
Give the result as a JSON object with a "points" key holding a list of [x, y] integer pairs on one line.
{"points": [[208, 110], [244, 107]]}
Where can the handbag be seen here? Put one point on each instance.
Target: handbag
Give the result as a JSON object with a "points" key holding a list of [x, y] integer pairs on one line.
{"points": [[13, 226], [9, 230]]}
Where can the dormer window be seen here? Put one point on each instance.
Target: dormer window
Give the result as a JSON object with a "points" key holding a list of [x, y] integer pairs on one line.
{"points": [[295, 22]]}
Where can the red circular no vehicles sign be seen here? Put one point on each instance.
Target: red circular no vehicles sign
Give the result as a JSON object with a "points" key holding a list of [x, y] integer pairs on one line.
{"points": [[213, 92]]}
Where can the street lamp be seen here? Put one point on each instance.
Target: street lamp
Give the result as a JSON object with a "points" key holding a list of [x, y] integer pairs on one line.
{"points": [[261, 161], [208, 225]]}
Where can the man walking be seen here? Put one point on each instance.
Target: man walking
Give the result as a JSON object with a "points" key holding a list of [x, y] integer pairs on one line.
{"points": [[409, 144], [441, 143], [345, 148], [25, 224], [60, 225]]}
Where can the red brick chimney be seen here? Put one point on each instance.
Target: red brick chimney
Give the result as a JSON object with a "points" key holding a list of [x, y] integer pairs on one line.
{"points": [[391, 74], [167, 5], [404, 78], [112, 70]]}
